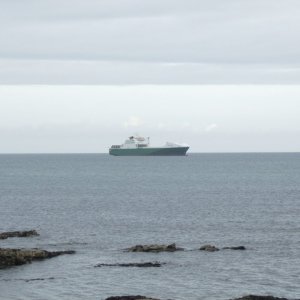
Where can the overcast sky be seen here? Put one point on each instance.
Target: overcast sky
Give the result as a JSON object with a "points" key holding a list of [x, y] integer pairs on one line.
{"points": [[149, 41], [210, 118], [78, 76]]}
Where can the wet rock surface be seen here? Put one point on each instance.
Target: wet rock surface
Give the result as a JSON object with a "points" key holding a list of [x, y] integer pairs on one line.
{"points": [[209, 248], [138, 265], [130, 298], [257, 297], [10, 234], [154, 248], [15, 257]]}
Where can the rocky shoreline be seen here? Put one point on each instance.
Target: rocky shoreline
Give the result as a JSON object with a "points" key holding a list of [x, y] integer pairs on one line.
{"points": [[14, 257]]}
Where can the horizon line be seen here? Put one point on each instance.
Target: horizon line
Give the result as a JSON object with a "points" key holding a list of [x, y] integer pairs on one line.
{"points": [[106, 153]]}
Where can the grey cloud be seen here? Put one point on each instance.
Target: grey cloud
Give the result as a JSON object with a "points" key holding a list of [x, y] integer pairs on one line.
{"points": [[248, 40], [111, 72]]}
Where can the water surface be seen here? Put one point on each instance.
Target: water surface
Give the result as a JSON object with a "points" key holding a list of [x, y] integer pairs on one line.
{"points": [[97, 205]]}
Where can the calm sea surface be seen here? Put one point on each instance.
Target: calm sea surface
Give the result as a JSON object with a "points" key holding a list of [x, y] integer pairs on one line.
{"points": [[99, 205]]}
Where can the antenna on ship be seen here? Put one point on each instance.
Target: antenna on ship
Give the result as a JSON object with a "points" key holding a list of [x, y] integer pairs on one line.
{"points": [[148, 138]]}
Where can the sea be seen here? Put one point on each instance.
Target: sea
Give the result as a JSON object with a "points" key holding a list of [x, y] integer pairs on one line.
{"points": [[98, 205]]}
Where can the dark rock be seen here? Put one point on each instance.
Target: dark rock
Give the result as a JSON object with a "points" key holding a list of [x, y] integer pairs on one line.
{"points": [[209, 248], [235, 248], [37, 279], [171, 247], [5, 235], [130, 298], [154, 248], [139, 265], [255, 297], [15, 257], [28, 279]]}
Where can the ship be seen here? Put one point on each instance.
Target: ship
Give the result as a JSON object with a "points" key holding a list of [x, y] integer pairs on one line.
{"points": [[139, 146]]}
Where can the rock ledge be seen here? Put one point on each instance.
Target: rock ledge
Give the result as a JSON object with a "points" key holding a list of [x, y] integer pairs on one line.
{"points": [[139, 265], [15, 257], [154, 248], [209, 248], [9, 234]]}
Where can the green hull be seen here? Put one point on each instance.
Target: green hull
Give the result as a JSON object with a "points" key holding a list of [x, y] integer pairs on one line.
{"points": [[168, 151]]}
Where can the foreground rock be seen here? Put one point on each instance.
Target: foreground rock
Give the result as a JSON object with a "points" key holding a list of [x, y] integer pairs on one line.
{"points": [[154, 248], [255, 297], [235, 248], [209, 248], [16, 257], [130, 298], [5, 235], [139, 265]]}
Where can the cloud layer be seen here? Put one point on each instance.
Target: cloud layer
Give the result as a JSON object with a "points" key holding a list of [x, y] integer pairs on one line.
{"points": [[157, 42]]}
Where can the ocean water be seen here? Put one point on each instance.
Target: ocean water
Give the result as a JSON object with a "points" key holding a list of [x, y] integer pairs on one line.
{"points": [[98, 205]]}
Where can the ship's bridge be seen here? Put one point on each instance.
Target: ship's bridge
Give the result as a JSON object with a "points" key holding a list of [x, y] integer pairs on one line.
{"points": [[135, 142]]}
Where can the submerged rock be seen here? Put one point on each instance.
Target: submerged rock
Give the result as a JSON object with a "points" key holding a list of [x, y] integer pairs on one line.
{"points": [[28, 279], [209, 248], [130, 298], [154, 248], [15, 257], [5, 235], [235, 248], [37, 279], [256, 297], [139, 265]]}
